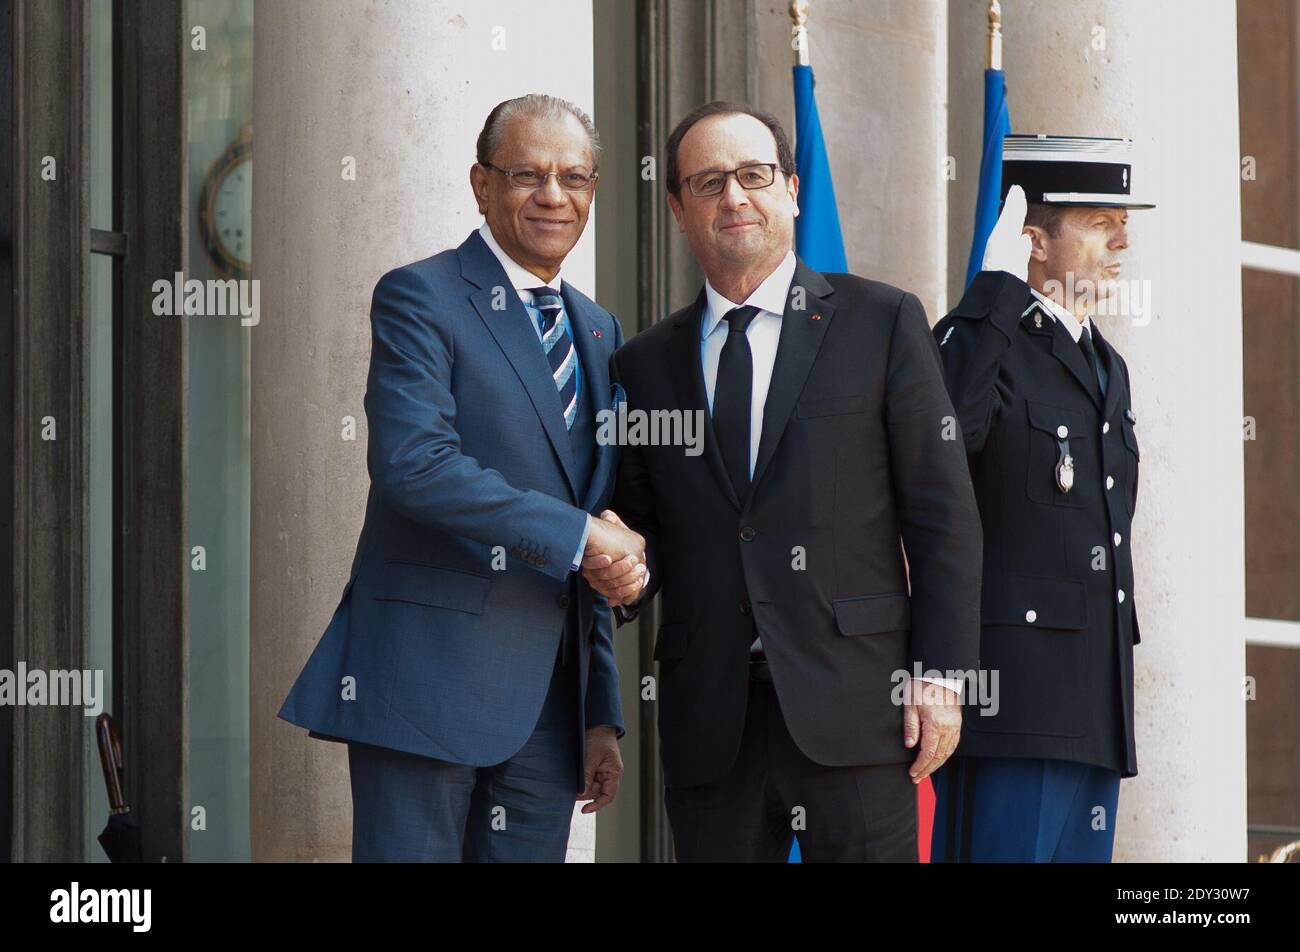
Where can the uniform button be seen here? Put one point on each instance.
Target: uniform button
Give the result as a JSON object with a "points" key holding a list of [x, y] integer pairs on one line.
{"points": [[1118, 538], [747, 534], [1031, 616], [1105, 427], [744, 606], [564, 601], [1110, 482], [1062, 431], [1121, 594]]}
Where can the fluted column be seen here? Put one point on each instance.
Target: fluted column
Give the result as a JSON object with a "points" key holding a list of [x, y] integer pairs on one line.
{"points": [[1163, 73], [881, 70], [398, 92]]}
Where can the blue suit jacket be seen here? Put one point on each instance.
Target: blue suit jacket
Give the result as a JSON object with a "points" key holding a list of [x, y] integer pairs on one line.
{"points": [[448, 629]]}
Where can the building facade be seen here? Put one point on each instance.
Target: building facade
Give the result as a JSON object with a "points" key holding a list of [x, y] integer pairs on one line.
{"points": [[189, 527]]}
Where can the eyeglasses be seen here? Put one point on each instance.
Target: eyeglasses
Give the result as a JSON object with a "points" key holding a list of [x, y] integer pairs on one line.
{"points": [[530, 179], [712, 182]]}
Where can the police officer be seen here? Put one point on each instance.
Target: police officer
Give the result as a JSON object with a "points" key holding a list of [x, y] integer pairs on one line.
{"points": [[1044, 406]]}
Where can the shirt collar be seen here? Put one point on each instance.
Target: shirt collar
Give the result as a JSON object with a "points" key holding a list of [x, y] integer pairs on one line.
{"points": [[520, 277], [1072, 324], [770, 296]]}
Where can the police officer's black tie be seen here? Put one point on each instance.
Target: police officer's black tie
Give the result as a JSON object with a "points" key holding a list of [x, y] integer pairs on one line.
{"points": [[1090, 355], [732, 396]]}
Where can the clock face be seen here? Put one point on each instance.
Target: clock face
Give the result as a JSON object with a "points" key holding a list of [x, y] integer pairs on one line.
{"points": [[232, 218]]}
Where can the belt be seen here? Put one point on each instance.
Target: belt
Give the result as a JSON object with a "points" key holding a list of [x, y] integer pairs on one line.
{"points": [[758, 668]]}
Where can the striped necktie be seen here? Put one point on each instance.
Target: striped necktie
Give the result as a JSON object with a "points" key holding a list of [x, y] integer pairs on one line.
{"points": [[558, 344]]}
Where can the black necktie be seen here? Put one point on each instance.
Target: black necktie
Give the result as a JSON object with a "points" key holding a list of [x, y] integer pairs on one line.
{"points": [[731, 398], [1090, 355]]}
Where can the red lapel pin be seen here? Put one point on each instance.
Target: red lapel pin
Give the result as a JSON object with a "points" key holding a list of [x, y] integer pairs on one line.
{"points": [[595, 333], [815, 317]]}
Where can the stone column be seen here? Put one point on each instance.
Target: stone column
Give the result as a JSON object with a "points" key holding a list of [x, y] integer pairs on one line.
{"points": [[881, 71], [401, 90], [1163, 73]]}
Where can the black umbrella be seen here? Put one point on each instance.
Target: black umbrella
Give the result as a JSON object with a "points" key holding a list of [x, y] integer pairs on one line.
{"points": [[121, 837]]}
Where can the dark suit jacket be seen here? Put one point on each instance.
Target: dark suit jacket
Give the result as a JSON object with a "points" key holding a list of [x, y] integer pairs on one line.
{"points": [[852, 468], [1055, 625], [450, 652]]}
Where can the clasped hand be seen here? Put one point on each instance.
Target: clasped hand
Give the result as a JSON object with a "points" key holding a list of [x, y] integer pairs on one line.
{"points": [[614, 560]]}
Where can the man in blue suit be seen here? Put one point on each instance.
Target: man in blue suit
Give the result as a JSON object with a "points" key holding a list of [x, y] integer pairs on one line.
{"points": [[468, 666]]}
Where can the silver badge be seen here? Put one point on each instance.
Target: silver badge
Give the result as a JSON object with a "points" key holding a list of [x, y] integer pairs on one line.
{"points": [[1065, 472], [1038, 320]]}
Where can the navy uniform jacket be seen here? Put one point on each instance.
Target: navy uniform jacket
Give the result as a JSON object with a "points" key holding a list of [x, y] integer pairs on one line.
{"points": [[1058, 622]]}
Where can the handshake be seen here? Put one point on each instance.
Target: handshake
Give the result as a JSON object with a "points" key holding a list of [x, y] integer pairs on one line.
{"points": [[614, 560]]}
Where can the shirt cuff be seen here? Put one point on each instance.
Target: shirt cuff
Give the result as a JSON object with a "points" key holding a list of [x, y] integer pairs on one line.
{"points": [[582, 545], [950, 683]]}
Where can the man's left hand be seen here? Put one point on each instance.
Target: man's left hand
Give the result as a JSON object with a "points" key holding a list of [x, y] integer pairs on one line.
{"points": [[603, 769], [932, 716]]}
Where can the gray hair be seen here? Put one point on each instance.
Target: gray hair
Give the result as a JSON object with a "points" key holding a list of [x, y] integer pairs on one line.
{"points": [[532, 106]]}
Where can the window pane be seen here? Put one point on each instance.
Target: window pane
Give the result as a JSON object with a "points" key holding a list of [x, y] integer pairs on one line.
{"points": [[1268, 32], [220, 100], [99, 407], [1271, 343], [1273, 749]]}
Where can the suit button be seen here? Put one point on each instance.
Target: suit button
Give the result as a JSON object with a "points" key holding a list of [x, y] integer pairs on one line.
{"points": [[564, 601], [747, 534], [1062, 431], [744, 606], [1031, 616], [1105, 427], [1121, 595], [1118, 538], [1110, 482]]}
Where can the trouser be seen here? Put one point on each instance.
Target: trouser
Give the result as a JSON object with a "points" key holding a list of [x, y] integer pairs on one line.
{"points": [[408, 808], [1023, 810], [774, 793]]}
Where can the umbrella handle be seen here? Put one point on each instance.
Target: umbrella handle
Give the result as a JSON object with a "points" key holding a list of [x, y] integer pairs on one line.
{"points": [[110, 758]]}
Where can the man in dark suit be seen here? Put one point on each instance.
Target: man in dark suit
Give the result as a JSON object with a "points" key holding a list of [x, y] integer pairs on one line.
{"points": [[789, 625], [468, 666], [1046, 416]]}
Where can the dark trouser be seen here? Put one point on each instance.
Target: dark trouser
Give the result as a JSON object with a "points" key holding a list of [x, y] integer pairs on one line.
{"points": [[1023, 810], [412, 809], [773, 793]]}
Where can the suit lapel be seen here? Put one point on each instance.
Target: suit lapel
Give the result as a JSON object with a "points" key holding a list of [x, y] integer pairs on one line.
{"points": [[802, 331], [1067, 351], [583, 323], [688, 383], [512, 329], [1114, 378]]}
